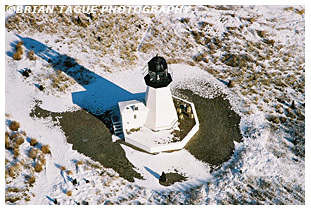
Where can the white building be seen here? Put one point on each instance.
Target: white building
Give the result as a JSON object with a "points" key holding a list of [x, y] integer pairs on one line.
{"points": [[149, 125], [159, 112], [133, 114]]}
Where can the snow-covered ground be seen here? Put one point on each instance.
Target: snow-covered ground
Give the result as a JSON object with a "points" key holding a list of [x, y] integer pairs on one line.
{"points": [[267, 166]]}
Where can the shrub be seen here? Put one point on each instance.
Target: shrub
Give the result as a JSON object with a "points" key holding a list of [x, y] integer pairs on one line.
{"points": [[33, 142], [274, 119], [17, 55], [300, 12], [16, 152], [283, 119], [12, 171], [46, 149], [33, 153], [12, 199], [19, 51], [31, 55], [19, 45], [69, 172], [69, 193], [31, 180], [191, 63], [230, 84], [27, 198], [185, 20], [8, 144], [38, 167], [198, 58], [20, 140], [261, 33], [14, 126], [80, 162], [41, 158]]}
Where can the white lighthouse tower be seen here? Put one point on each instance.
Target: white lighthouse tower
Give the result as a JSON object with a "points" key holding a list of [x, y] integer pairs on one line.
{"points": [[162, 113]]}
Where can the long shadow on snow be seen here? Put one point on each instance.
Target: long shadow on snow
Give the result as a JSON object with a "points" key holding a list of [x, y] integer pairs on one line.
{"points": [[88, 135], [100, 94]]}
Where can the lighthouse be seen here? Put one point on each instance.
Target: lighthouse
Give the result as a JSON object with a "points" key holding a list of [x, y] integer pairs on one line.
{"points": [[162, 113], [149, 124]]}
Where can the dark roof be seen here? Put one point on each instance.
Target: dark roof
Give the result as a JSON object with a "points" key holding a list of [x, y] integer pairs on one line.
{"points": [[157, 64]]}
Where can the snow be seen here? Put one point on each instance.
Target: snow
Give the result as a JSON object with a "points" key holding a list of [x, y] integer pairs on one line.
{"points": [[181, 161], [264, 154], [151, 138]]}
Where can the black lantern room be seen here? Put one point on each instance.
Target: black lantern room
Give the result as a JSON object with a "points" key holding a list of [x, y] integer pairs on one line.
{"points": [[158, 75]]}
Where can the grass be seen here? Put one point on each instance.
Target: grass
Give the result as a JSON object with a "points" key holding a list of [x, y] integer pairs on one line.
{"points": [[19, 51], [31, 55], [31, 180], [18, 55], [62, 168], [12, 199], [20, 140], [46, 149], [16, 152], [19, 167], [38, 167], [14, 126], [33, 142], [33, 153]]}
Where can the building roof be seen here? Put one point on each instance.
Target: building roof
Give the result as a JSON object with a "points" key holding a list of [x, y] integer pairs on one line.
{"points": [[128, 106]]}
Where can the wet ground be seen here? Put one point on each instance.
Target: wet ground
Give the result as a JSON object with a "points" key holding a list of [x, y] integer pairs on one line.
{"points": [[90, 136], [213, 143], [219, 127]]}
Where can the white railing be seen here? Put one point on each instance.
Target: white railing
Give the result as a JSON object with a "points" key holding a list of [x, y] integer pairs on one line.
{"points": [[144, 71]]}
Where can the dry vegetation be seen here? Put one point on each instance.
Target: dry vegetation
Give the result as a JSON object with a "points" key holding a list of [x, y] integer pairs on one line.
{"points": [[251, 59], [31, 55], [18, 51], [101, 33], [22, 161]]}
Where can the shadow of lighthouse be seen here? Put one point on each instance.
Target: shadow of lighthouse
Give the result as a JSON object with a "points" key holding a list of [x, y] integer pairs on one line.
{"points": [[100, 95]]}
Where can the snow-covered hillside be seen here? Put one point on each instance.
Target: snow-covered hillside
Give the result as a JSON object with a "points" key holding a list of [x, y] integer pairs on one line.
{"points": [[251, 55]]}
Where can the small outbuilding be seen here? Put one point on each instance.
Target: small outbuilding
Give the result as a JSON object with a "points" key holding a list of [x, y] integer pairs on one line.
{"points": [[133, 114]]}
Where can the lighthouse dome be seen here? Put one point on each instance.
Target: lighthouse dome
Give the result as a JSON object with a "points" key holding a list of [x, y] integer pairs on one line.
{"points": [[157, 64], [158, 75]]}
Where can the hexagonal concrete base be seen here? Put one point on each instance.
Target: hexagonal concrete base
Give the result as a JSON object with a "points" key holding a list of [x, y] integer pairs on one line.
{"points": [[160, 141]]}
